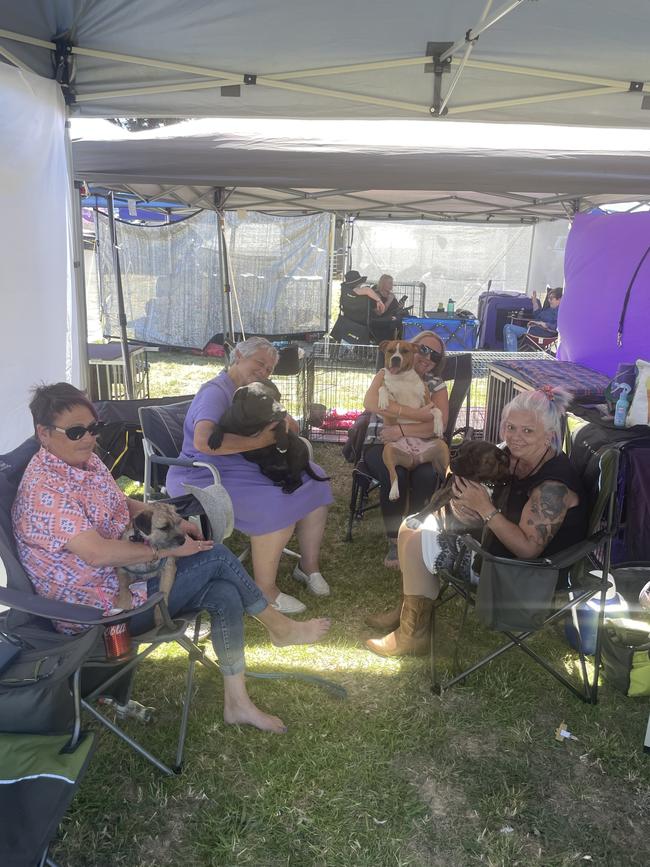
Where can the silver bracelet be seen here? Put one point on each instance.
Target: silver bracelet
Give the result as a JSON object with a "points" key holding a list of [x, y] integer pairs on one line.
{"points": [[489, 517]]}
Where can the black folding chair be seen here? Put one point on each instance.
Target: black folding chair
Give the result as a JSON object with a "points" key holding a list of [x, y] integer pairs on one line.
{"points": [[518, 598], [457, 368], [103, 680]]}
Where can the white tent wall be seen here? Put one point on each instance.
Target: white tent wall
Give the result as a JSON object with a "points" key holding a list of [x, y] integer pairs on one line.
{"points": [[453, 260], [547, 255], [37, 327]]}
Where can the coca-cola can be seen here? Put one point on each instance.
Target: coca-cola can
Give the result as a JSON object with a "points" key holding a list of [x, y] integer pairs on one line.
{"points": [[116, 637]]}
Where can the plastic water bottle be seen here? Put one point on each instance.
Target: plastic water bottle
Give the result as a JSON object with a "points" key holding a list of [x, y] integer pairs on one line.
{"points": [[583, 621], [622, 406], [450, 305]]}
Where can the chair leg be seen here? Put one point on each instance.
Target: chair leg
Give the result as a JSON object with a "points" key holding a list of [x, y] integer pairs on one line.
{"points": [[354, 495], [132, 743]]}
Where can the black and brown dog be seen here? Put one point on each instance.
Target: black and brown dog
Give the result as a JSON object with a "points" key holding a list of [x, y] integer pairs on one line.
{"points": [[253, 408], [476, 461]]}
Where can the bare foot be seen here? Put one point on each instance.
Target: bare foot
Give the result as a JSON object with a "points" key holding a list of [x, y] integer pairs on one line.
{"points": [[298, 632], [244, 712]]}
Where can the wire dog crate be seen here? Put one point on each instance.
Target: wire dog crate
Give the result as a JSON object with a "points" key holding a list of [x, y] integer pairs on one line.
{"points": [[415, 296], [337, 378]]}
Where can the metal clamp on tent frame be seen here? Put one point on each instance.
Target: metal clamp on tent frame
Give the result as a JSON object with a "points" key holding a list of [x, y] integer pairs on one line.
{"points": [[63, 65], [439, 67]]}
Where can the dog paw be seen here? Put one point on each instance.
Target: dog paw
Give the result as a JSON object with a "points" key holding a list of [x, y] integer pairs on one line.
{"points": [[383, 397], [394, 491]]}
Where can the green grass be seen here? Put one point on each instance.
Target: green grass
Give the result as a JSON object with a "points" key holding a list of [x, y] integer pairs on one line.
{"points": [[392, 775]]}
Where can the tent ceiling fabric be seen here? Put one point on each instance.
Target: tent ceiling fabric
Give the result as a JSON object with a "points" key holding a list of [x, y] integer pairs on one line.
{"points": [[410, 170], [544, 61]]}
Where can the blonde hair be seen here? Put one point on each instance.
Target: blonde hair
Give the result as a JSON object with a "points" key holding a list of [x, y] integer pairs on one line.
{"points": [[440, 365]]}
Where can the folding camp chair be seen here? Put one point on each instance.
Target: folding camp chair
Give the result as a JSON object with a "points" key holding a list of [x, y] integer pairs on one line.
{"points": [[457, 368], [518, 597], [44, 753], [104, 680]]}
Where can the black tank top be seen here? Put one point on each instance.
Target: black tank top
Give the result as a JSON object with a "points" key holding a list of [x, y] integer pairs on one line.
{"points": [[517, 493]]}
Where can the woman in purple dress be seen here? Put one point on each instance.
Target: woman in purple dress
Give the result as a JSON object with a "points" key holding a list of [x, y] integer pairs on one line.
{"points": [[262, 510]]}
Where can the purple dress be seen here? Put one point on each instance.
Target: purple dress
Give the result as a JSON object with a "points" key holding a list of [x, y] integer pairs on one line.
{"points": [[260, 506]]}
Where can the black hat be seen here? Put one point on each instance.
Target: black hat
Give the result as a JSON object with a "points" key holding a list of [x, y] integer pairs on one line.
{"points": [[352, 279]]}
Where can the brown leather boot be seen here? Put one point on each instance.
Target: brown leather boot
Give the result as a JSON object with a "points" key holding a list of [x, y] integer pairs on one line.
{"points": [[413, 636], [386, 621]]}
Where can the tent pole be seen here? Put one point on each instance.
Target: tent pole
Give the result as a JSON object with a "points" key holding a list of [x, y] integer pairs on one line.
{"points": [[79, 342], [228, 334], [128, 379], [530, 259]]}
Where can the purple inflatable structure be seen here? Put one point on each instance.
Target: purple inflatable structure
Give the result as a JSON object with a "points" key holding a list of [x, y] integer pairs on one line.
{"points": [[607, 290]]}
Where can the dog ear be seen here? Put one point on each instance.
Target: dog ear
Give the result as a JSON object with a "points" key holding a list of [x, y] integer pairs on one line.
{"points": [[240, 393], [142, 522], [383, 345]]}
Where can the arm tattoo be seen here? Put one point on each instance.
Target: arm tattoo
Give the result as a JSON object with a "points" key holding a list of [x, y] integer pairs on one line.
{"points": [[548, 508]]}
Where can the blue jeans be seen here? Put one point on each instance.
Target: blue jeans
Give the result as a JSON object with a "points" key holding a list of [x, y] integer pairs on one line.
{"points": [[213, 581], [511, 334]]}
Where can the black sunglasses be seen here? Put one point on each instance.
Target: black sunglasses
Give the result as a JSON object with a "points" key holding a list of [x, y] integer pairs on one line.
{"points": [[78, 431], [433, 354]]}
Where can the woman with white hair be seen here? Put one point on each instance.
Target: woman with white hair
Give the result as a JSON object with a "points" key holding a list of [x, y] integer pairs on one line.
{"points": [[543, 512], [262, 510]]}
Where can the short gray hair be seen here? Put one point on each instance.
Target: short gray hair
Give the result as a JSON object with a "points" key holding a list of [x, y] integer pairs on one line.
{"points": [[249, 347], [548, 404]]}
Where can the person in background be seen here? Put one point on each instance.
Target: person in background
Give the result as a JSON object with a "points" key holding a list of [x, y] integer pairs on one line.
{"points": [[542, 324], [262, 510], [356, 285], [68, 519]]}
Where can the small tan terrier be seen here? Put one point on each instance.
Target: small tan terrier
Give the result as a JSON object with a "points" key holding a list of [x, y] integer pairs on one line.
{"points": [[159, 527]]}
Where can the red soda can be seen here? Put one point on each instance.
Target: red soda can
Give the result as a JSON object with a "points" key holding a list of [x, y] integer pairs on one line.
{"points": [[116, 637]]}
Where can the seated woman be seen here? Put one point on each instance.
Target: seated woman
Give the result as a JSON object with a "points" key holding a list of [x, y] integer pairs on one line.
{"points": [[416, 485], [262, 510], [68, 517], [544, 512]]}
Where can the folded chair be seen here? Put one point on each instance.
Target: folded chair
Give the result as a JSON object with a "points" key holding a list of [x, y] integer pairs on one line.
{"points": [[457, 368], [44, 753], [519, 598], [104, 681]]}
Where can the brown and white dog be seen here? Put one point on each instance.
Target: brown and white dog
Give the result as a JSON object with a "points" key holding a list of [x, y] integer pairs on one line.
{"points": [[159, 527], [403, 385]]}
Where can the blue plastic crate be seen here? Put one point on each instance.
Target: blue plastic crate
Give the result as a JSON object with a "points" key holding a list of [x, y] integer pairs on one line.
{"points": [[456, 334]]}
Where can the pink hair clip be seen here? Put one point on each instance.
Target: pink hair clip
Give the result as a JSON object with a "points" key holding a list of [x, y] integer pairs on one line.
{"points": [[549, 391]]}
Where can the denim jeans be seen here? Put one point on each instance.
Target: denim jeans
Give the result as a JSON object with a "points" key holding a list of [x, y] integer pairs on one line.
{"points": [[511, 334], [213, 581]]}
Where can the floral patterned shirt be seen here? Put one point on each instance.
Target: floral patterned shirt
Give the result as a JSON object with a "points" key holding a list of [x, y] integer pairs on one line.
{"points": [[56, 502]]}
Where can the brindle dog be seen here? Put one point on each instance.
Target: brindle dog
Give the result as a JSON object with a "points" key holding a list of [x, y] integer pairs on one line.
{"points": [[477, 461], [158, 526]]}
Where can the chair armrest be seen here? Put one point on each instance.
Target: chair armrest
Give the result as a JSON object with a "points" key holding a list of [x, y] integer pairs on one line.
{"points": [[54, 609], [43, 606], [471, 543], [561, 560], [184, 462]]}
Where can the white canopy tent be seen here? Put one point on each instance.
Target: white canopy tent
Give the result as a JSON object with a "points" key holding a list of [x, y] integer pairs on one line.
{"points": [[521, 61], [406, 169]]}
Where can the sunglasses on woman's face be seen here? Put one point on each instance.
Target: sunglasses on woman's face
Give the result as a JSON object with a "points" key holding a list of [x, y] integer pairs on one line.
{"points": [[78, 431], [432, 354]]}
